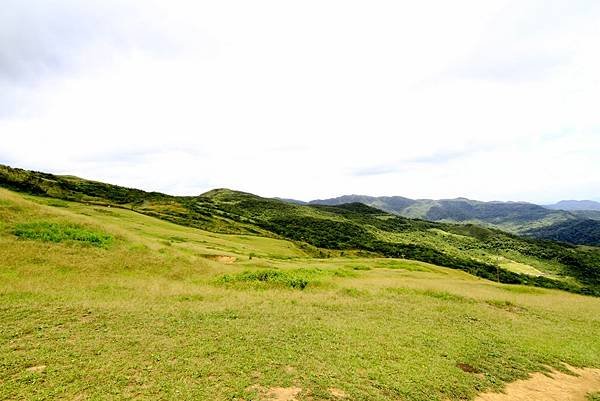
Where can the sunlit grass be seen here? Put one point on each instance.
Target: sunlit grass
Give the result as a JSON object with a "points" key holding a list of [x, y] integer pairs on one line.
{"points": [[519, 267]]}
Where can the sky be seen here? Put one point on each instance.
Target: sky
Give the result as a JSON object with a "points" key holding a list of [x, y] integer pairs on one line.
{"points": [[490, 100]]}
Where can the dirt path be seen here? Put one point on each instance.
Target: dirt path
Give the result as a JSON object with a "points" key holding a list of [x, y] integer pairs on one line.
{"points": [[557, 387]]}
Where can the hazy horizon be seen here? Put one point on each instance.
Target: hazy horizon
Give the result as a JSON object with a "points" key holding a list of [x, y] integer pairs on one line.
{"points": [[484, 100]]}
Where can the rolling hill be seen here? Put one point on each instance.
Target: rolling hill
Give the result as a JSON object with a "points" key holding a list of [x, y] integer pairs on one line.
{"points": [[114, 293], [352, 228]]}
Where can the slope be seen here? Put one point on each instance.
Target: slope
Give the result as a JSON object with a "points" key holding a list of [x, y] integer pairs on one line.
{"points": [[161, 310]]}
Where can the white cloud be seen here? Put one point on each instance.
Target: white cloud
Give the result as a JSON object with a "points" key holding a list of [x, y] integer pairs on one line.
{"points": [[491, 100]]}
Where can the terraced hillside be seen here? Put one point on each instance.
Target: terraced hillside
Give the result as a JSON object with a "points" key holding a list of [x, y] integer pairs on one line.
{"points": [[105, 303]]}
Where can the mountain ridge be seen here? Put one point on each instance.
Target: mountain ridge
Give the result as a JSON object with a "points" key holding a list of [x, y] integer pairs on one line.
{"points": [[575, 205], [517, 217]]}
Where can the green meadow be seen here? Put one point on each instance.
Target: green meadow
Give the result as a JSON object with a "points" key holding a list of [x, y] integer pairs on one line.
{"points": [[104, 303]]}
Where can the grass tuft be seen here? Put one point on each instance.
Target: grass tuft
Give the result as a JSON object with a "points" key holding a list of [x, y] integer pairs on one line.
{"points": [[506, 305], [593, 396], [275, 278], [57, 232], [296, 279]]}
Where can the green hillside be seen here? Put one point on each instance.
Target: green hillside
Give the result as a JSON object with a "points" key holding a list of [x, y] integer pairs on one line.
{"points": [[573, 231], [587, 214], [337, 230], [105, 303]]}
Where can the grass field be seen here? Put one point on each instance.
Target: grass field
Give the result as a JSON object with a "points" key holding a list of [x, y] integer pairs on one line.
{"points": [[104, 303]]}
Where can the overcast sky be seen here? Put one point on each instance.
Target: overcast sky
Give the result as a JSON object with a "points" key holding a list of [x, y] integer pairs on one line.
{"points": [[492, 100]]}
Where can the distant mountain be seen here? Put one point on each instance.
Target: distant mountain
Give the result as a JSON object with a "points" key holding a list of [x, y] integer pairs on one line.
{"points": [[294, 201], [509, 215], [576, 227], [572, 205], [392, 204]]}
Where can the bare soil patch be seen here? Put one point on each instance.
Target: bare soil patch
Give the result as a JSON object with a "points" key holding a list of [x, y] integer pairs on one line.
{"points": [[465, 367], [283, 393], [222, 258], [36, 369], [338, 393], [556, 386]]}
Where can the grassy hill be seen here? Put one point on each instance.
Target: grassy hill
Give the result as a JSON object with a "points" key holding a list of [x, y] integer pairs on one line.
{"points": [[102, 302], [354, 229]]}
